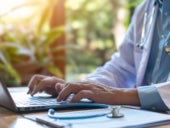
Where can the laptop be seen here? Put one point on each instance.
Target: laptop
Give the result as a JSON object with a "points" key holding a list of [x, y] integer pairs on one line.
{"points": [[17, 99]]}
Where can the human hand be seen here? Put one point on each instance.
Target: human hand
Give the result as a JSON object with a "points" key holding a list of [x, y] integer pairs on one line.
{"points": [[98, 93], [40, 83]]}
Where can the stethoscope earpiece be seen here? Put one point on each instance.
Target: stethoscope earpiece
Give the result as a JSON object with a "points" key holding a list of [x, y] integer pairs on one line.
{"points": [[139, 45]]}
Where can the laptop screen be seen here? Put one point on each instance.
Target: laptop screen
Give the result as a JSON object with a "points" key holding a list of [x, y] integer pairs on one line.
{"points": [[5, 98]]}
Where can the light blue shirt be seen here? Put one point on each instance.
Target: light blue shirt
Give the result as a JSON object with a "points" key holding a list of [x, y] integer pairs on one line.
{"points": [[159, 61]]}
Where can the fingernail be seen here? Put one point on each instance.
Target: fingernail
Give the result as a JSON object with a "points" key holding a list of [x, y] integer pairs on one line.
{"points": [[32, 94]]}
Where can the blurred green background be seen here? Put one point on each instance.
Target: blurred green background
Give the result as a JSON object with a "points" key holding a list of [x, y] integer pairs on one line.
{"points": [[97, 28], [94, 30]]}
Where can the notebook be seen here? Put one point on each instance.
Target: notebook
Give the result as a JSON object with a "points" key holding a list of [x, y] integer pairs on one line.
{"points": [[17, 99]]}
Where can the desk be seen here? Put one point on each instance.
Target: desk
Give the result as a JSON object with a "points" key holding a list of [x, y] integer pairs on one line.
{"points": [[9, 119]]}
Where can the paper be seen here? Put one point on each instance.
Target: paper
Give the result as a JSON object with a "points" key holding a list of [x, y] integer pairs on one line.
{"points": [[132, 118]]}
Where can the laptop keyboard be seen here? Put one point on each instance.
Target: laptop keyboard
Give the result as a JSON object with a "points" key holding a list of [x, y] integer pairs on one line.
{"points": [[35, 101], [43, 101], [23, 99]]}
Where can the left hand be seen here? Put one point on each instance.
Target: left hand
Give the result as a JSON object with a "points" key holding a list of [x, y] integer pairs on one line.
{"points": [[98, 93], [40, 83]]}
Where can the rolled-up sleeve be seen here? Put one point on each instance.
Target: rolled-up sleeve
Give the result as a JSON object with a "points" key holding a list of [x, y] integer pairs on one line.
{"points": [[150, 99]]}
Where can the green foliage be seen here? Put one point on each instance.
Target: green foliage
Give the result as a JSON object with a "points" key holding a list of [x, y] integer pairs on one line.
{"points": [[90, 25], [90, 28], [130, 7], [28, 40]]}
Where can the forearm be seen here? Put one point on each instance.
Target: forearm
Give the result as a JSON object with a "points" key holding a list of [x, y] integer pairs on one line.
{"points": [[126, 97], [131, 97]]}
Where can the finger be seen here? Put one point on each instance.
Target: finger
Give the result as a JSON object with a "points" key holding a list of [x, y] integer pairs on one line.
{"points": [[42, 84], [68, 89], [80, 95], [33, 82], [59, 87], [51, 91]]}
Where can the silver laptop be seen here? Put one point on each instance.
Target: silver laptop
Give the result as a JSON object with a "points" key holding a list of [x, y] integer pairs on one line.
{"points": [[16, 99]]}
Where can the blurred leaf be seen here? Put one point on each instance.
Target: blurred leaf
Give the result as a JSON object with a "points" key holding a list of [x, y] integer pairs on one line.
{"points": [[54, 70], [12, 72], [45, 16], [2, 58], [29, 37], [52, 35]]}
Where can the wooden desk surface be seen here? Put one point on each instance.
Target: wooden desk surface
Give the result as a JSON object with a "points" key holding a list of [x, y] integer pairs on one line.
{"points": [[9, 119]]}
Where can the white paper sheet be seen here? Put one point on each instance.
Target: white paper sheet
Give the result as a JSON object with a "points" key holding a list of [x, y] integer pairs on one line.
{"points": [[132, 118]]}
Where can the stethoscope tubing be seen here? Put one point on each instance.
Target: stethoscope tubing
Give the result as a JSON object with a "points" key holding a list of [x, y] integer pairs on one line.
{"points": [[145, 34], [51, 114]]}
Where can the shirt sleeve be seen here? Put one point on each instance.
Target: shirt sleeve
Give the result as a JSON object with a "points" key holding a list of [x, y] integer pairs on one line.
{"points": [[150, 99]]}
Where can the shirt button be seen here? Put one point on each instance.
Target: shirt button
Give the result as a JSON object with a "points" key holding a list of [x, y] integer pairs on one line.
{"points": [[162, 36], [167, 48]]}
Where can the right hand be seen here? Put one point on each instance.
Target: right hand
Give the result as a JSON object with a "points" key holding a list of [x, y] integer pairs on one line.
{"points": [[40, 83]]}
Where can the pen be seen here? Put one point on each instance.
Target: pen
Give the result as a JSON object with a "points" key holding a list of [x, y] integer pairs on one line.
{"points": [[53, 123]]}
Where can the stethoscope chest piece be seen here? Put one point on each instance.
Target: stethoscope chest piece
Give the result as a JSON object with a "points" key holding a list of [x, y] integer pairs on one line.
{"points": [[115, 113], [167, 48]]}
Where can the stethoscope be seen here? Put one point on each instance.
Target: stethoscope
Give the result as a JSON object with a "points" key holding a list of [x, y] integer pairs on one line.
{"points": [[114, 113], [145, 33]]}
